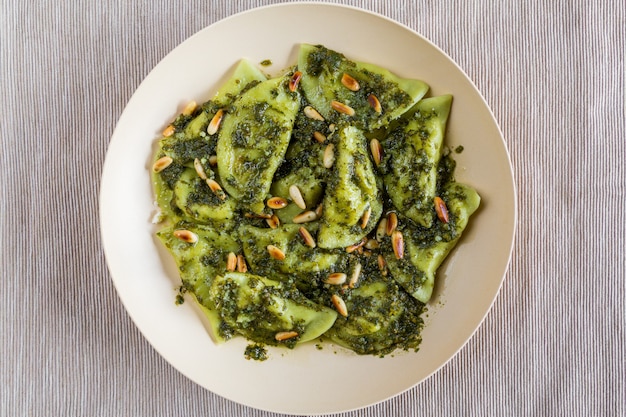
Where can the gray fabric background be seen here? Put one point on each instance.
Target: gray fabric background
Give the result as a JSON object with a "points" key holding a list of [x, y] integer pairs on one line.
{"points": [[553, 73]]}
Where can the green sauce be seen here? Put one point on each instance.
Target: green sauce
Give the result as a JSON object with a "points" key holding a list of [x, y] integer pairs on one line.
{"points": [[256, 352], [265, 144]]}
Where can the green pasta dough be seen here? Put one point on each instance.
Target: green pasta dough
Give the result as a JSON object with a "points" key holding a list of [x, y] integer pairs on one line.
{"points": [[317, 203]]}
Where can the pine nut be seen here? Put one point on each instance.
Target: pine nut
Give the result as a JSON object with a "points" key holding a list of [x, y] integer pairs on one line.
{"points": [[442, 210], [306, 237], [342, 108], [377, 151], [339, 304], [241, 264], [190, 108], [356, 246], [365, 218], [392, 223], [168, 131], [397, 243], [349, 82], [373, 101], [186, 236], [336, 278], [311, 113], [329, 156], [277, 203], [319, 210], [372, 244], [296, 197], [162, 163], [356, 274], [382, 265], [276, 253], [199, 169], [216, 188], [281, 336], [273, 222], [215, 122], [294, 81], [319, 137], [231, 262], [307, 216], [381, 230]]}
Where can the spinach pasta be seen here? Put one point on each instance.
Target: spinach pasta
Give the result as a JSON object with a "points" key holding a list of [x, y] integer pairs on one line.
{"points": [[319, 203]]}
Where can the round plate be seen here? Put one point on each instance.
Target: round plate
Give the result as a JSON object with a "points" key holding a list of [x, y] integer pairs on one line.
{"points": [[305, 380]]}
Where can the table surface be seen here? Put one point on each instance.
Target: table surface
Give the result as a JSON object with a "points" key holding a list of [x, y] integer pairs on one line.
{"points": [[553, 73]]}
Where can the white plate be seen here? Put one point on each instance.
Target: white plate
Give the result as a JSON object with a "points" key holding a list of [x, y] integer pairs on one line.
{"points": [[305, 380]]}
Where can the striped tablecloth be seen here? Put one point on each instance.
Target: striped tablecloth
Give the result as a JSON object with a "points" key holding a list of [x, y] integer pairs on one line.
{"points": [[553, 73]]}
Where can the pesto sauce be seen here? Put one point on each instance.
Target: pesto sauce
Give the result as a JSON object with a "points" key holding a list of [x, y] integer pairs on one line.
{"points": [[171, 174], [187, 150], [179, 299], [203, 195], [324, 60], [253, 313], [181, 121], [445, 171], [331, 65], [380, 321], [303, 150], [382, 315], [256, 352]]}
